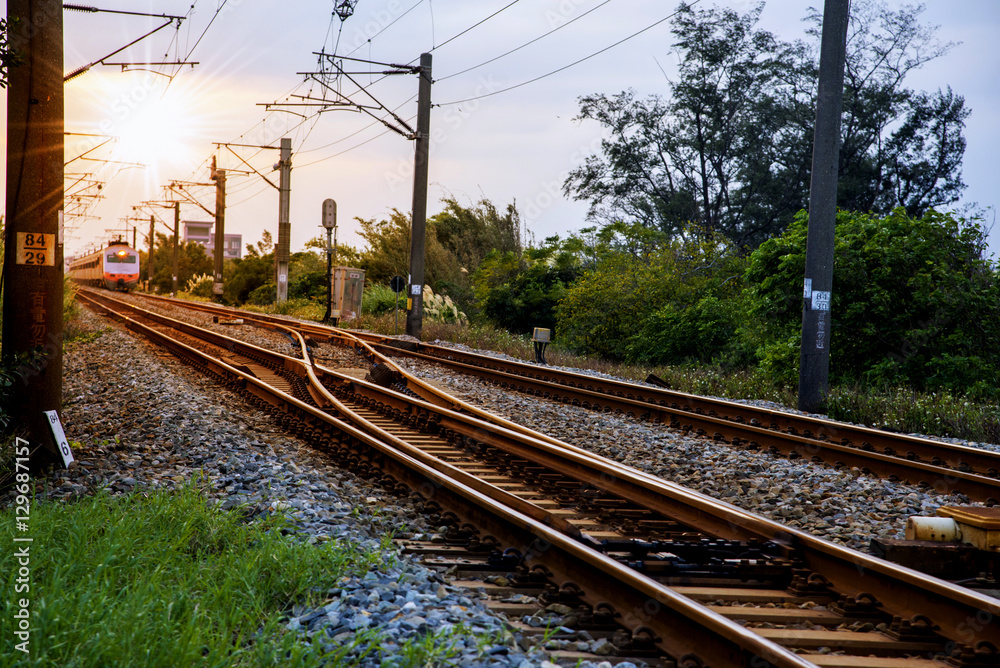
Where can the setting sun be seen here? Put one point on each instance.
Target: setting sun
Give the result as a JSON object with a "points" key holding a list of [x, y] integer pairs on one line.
{"points": [[154, 124], [154, 131]]}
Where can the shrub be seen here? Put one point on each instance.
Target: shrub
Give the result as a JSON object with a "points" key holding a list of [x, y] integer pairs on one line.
{"points": [[914, 302], [201, 285], [378, 299]]}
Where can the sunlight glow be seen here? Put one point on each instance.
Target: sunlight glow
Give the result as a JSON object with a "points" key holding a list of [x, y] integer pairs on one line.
{"points": [[155, 131]]}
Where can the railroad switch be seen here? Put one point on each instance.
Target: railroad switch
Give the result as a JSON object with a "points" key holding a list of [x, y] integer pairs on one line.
{"points": [[962, 543]]}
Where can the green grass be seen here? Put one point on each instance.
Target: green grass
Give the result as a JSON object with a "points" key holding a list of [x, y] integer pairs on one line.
{"points": [[902, 409], [167, 580]]}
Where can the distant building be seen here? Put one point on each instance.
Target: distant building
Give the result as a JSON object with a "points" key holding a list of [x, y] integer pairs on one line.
{"points": [[202, 233]]}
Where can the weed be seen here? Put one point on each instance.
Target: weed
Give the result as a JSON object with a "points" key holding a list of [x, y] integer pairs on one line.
{"points": [[167, 580]]}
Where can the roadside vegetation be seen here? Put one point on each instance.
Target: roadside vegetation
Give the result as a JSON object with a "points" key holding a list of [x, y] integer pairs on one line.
{"points": [[167, 579], [697, 276]]}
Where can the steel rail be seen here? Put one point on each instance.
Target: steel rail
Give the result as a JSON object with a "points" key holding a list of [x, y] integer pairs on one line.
{"points": [[942, 479], [961, 614], [718, 640], [946, 467], [960, 457]]}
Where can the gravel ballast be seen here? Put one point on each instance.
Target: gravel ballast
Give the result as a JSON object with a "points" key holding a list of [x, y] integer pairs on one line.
{"points": [[144, 420], [147, 420]]}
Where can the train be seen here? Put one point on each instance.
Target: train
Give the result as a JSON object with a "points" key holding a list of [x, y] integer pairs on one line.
{"points": [[115, 267]]}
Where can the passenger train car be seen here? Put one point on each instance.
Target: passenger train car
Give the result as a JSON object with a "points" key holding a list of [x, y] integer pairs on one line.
{"points": [[115, 267]]}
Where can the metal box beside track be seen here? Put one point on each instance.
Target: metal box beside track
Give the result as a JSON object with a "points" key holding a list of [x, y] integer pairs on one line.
{"points": [[348, 288]]}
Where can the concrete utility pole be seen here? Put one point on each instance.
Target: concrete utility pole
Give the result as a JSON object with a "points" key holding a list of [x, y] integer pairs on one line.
{"points": [[282, 250], [219, 176], [177, 227], [814, 360], [415, 313], [33, 239], [152, 246]]}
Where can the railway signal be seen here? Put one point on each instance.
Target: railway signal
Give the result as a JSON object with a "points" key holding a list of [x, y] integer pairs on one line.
{"points": [[421, 138], [330, 223]]}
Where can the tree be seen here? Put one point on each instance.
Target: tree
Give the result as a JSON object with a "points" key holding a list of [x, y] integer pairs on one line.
{"points": [[8, 57], [900, 147], [254, 270], [191, 261], [471, 233], [520, 291], [730, 147], [914, 302]]}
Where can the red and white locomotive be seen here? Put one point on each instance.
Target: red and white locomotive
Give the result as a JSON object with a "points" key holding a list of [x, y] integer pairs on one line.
{"points": [[115, 267]]}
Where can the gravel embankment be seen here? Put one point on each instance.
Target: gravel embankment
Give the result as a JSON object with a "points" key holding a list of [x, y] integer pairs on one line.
{"points": [[146, 420], [845, 506]]}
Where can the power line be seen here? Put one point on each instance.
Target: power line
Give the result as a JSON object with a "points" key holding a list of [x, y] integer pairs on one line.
{"points": [[476, 25], [387, 26], [543, 36], [566, 67]]}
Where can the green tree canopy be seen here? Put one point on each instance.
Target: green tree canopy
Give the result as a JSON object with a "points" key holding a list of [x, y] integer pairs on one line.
{"points": [[387, 251], [730, 146], [520, 291], [650, 300], [191, 261], [471, 233], [914, 302]]}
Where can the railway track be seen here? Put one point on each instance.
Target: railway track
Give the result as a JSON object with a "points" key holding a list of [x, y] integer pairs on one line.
{"points": [[670, 575], [944, 467]]}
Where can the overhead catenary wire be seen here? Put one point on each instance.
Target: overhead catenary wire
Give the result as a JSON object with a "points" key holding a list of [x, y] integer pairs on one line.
{"points": [[386, 27], [475, 25], [526, 44], [302, 129], [566, 67]]}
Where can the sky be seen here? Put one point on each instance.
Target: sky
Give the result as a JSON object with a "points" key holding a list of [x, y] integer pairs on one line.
{"points": [[513, 145]]}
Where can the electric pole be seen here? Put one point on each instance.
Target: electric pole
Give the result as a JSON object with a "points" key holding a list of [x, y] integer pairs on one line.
{"points": [[282, 250], [177, 227], [415, 314], [33, 239], [176, 206], [219, 176], [152, 246], [814, 358]]}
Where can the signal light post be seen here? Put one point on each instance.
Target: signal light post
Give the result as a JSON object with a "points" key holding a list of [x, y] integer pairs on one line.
{"points": [[330, 223]]}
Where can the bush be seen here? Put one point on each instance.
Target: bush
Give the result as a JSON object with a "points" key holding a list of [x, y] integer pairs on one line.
{"points": [[653, 301], [263, 295], [201, 286], [519, 292], [378, 299], [914, 303]]}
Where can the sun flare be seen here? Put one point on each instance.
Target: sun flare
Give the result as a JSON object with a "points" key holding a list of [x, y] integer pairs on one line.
{"points": [[156, 132]]}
